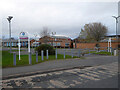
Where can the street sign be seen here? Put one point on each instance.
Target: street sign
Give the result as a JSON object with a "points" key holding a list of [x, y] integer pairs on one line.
{"points": [[23, 36]]}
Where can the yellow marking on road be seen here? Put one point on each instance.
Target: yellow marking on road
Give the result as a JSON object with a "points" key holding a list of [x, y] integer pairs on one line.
{"points": [[89, 77], [94, 75], [58, 83]]}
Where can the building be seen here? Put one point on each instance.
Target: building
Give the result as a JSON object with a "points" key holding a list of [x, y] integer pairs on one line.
{"points": [[115, 43], [56, 41], [14, 43]]}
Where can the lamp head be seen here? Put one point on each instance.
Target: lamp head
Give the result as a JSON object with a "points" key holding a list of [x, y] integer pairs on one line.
{"points": [[9, 18]]}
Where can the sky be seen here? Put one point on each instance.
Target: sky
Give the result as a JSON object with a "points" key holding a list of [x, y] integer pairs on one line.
{"points": [[65, 17]]}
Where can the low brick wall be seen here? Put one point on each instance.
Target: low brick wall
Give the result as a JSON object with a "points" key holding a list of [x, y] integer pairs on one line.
{"points": [[92, 45]]}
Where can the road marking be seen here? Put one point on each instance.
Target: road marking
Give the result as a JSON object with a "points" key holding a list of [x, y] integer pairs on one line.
{"points": [[89, 77], [80, 76], [58, 84]]}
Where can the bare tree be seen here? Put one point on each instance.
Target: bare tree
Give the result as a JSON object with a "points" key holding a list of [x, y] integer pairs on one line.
{"points": [[45, 33], [94, 32]]}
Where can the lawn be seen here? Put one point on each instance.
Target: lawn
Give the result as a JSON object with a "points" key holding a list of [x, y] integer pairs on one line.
{"points": [[7, 59], [101, 53]]}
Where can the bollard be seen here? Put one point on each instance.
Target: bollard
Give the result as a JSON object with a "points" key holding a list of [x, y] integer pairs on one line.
{"points": [[111, 50], [30, 59], [42, 55], [14, 59], [36, 56], [79, 53], [56, 53], [46, 54], [71, 53], [64, 54], [115, 52], [89, 51]]}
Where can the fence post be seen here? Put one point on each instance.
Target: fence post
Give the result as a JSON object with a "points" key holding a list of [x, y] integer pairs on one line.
{"points": [[89, 51], [42, 55], [30, 59], [111, 50], [36, 56], [71, 53], [47, 54], [79, 53], [115, 52], [64, 54], [56, 53], [14, 59]]}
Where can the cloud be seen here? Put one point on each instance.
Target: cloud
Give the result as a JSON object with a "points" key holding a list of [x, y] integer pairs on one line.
{"points": [[63, 17]]}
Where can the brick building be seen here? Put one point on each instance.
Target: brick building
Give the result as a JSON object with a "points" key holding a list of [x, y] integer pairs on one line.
{"points": [[115, 43], [56, 41]]}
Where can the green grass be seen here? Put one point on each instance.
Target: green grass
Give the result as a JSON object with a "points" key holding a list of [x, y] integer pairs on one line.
{"points": [[101, 53], [7, 59]]}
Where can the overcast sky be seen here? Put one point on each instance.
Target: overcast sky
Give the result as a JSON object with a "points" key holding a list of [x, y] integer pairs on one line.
{"points": [[65, 17]]}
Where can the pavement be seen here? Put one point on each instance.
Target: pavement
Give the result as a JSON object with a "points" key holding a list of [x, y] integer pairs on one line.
{"points": [[102, 76], [56, 65]]}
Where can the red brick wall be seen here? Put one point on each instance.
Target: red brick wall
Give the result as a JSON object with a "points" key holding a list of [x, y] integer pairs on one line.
{"points": [[92, 45]]}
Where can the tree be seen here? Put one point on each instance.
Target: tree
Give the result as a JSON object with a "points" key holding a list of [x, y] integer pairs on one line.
{"points": [[94, 31], [45, 33]]}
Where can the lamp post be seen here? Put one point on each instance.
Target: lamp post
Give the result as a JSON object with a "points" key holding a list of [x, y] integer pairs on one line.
{"points": [[116, 18], [9, 20]]}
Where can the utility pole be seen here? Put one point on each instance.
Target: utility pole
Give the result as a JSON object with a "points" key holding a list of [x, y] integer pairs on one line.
{"points": [[9, 20]]}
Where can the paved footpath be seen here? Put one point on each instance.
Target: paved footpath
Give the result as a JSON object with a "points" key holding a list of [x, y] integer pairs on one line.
{"points": [[59, 64], [99, 76]]}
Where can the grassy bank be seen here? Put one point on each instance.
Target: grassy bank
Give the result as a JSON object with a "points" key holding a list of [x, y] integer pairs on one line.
{"points": [[7, 59]]}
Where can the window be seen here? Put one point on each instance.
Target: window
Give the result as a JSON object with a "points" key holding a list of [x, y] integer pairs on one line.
{"points": [[66, 44], [58, 44], [54, 44], [12, 43]]}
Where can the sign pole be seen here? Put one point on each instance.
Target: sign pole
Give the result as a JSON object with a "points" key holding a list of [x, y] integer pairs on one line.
{"points": [[19, 47], [28, 44]]}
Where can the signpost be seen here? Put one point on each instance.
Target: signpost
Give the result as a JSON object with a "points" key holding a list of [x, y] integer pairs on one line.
{"points": [[23, 36]]}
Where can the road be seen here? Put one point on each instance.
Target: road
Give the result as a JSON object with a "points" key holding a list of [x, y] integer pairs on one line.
{"points": [[102, 76], [94, 60]]}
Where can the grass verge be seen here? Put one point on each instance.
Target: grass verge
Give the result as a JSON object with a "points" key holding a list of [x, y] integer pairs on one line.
{"points": [[7, 59], [101, 53]]}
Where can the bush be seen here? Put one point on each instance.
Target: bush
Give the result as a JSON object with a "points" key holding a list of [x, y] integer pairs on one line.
{"points": [[45, 47]]}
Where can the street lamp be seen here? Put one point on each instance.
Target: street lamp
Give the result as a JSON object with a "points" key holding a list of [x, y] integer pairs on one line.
{"points": [[116, 18], [9, 20]]}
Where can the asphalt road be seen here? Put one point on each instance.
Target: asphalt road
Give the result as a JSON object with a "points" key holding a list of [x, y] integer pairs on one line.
{"points": [[57, 64], [103, 76]]}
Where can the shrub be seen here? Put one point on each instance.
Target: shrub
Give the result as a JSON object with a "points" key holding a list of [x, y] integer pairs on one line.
{"points": [[45, 47]]}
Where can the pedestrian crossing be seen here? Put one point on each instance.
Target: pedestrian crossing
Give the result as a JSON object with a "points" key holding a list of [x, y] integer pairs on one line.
{"points": [[64, 79]]}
